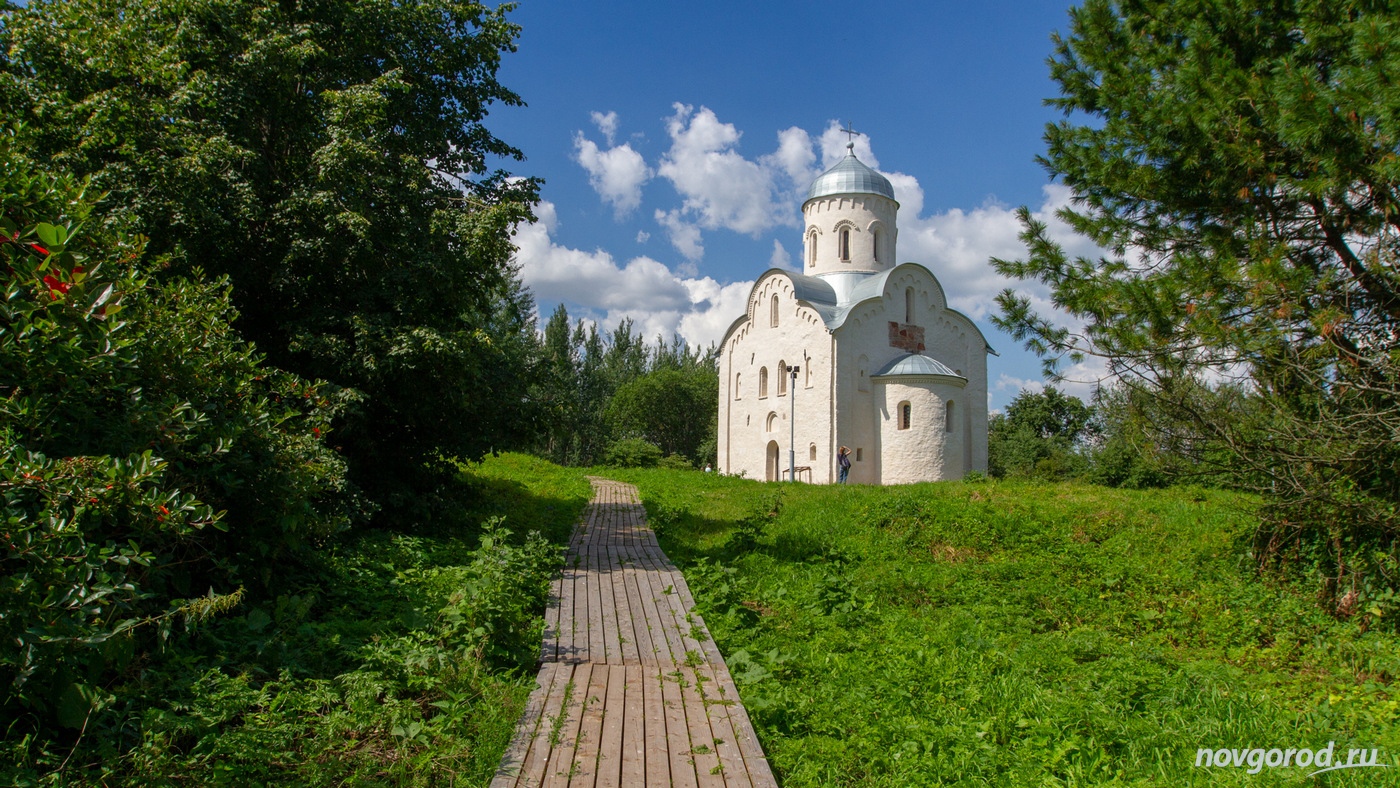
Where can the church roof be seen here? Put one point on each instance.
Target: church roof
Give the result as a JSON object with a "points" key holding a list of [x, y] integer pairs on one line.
{"points": [[818, 294], [916, 364], [850, 176]]}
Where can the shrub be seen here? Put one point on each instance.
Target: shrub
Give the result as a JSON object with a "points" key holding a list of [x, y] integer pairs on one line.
{"points": [[675, 462], [149, 465], [632, 453]]}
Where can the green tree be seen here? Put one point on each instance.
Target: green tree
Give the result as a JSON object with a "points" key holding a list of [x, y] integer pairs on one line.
{"points": [[673, 409], [1040, 435], [1238, 161], [330, 158]]}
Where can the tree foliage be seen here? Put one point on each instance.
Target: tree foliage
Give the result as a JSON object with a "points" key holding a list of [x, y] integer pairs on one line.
{"points": [[671, 408], [1238, 161], [150, 466], [1041, 435], [330, 159], [600, 396]]}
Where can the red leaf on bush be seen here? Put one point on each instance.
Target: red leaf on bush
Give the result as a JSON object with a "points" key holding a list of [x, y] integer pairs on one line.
{"points": [[57, 287]]}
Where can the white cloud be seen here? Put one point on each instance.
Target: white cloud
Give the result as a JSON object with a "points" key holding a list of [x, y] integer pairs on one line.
{"points": [[616, 174], [557, 273], [794, 157], [684, 235], [606, 123], [596, 287], [1079, 380], [1016, 385], [719, 188], [643, 236], [957, 246], [833, 143], [780, 257]]}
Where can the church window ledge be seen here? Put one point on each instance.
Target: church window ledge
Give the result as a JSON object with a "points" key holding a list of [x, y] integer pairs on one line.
{"points": [[906, 414]]}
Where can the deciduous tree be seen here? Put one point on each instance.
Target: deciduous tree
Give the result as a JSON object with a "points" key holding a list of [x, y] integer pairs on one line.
{"points": [[331, 158]]}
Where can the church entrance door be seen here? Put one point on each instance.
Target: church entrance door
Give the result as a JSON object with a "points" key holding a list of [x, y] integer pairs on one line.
{"points": [[774, 473]]}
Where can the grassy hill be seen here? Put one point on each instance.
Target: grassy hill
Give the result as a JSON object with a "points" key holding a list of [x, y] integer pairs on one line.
{"points": [[1020, 634], [959, 633]]}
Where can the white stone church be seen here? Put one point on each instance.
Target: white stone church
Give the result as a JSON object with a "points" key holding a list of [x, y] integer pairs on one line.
{"points": [[884, 366]]}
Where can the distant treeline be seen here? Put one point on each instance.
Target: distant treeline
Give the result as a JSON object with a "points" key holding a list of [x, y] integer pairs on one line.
{"points": [[621, 401]]}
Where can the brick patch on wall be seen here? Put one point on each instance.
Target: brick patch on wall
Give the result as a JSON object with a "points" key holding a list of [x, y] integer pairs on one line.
{"points": [[907, 337]]}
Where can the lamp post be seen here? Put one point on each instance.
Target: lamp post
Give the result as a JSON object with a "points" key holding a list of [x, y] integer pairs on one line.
{"points": [[792, 424]]}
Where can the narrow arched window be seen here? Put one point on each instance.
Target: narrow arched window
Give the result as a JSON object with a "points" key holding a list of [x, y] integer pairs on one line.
{"points": [[906, 413], [773, 317], [909, 305], [948, 415], [782, 378], [875, 244], [772, 423], [812, 452], [811, 249], [737, 390], [845, 245], [762, 382]]}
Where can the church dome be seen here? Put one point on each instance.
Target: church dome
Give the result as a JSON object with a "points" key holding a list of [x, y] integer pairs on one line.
{"points": [[914, 364], [850, 176]]}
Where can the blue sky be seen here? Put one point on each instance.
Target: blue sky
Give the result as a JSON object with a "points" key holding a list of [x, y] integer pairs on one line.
{"points": [[676, 140]]}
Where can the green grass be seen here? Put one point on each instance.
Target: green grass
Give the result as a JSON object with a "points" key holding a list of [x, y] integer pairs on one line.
{"points": [[401, 659], [1018, 634]]}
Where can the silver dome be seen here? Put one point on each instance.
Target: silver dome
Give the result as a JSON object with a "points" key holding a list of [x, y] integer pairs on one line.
{"points": [[915, 364], [849, 176]]}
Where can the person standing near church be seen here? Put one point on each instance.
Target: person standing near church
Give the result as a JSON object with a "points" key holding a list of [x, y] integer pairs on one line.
{"points": [[843, 459]]}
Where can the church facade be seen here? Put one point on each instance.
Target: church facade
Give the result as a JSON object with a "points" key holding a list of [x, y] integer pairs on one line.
{"points": [[883, 365]]}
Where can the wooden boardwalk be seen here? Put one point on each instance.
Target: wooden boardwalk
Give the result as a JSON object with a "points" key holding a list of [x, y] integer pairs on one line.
{"points": [[632, 691]]}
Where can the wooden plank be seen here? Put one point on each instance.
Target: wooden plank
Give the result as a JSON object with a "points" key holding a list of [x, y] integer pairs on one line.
{"points": [[658, 609], [549, 646], [658, 758], [610, 749], [707, 643], [647, 593], [634, 740], [512, 767], [532, 772], [677, 732], [610, 631], [636, 613], [597, 648], [760, 773], [708, 773], [628, 650], [726, 741], [666, 610], [561, 758], [584, 772], [580, 630]]}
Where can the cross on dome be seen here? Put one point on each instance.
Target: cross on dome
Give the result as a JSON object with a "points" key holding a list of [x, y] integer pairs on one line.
{"points": [[850, 136]]}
